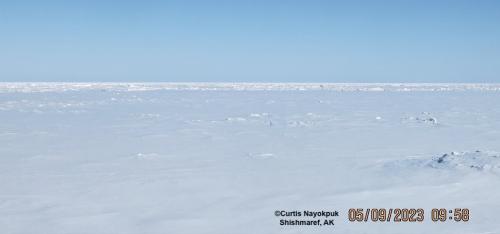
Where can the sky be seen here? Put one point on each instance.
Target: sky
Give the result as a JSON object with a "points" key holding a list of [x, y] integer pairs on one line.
{"points": [[250, 41]]}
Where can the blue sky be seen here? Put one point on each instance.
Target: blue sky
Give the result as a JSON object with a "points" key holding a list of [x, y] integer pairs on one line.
{"points": [[250, 41]]}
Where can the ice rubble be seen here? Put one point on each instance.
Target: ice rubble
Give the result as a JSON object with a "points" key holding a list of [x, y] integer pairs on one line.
{"points": [[7, 87], [467, 160]]}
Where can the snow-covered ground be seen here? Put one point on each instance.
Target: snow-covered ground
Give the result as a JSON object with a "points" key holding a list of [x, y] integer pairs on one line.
{"points": [[222, 158]]}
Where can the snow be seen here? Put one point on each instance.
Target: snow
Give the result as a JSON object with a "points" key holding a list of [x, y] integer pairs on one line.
{"points": [[223, 157]]}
